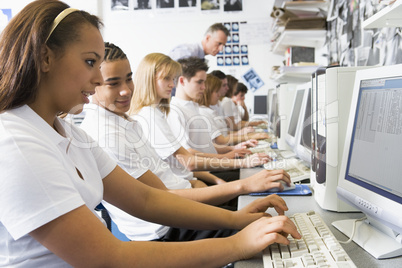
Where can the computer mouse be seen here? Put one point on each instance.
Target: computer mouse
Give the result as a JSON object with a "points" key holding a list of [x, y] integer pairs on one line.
{"points": [[285, 187]]}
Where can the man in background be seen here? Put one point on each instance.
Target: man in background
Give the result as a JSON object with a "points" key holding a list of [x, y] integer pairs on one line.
{"points": [[213, 41]]}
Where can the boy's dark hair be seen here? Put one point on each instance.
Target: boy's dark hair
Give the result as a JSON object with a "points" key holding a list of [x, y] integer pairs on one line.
{"points": [[241, 88], [221, 75], [113, 52], [191, 65]]}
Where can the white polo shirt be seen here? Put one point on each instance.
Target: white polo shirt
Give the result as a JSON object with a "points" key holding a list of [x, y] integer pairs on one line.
{"points": [[229, 109], [211, 115], [220, 119], [124, 141], [157, 130], [39, 182], [189, 127]]}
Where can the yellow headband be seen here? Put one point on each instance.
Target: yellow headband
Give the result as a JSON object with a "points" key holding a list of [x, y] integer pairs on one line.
{"points": [[59, 18]]}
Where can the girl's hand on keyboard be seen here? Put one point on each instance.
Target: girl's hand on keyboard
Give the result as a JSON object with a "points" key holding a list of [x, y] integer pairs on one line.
{"points": [[265, 180], [262, 233], [246, 144], [238, 153], [256, 160], [257, 209], [258, 136]]}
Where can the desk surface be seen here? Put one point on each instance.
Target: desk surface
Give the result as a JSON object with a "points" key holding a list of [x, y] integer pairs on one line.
{"points": [[297, 204]]}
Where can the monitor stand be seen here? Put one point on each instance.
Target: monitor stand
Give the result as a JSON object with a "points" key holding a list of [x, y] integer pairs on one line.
{"points": [[381, 244]]}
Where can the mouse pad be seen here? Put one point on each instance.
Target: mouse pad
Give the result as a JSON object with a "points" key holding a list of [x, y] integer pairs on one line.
{"points": [[300, 189]]}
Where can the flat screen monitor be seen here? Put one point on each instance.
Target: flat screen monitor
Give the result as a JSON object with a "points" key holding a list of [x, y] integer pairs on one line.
{"points": [[260, 105], [371, 172], [273, 110], [294, 117], [303, 141]]}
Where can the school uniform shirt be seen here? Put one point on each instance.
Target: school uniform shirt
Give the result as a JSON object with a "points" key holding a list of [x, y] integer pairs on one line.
{"points": [[39, 182], [187, 50], [220, 118], [157, 130], [189, 127], [210, 115], [229, 109], [124, 141]]}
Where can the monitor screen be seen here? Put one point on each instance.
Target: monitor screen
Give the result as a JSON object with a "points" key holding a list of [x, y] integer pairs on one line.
{"points": [[260, 104], [272, 113], [303, 146], [370, 177], [305, 138], [294, 118]]}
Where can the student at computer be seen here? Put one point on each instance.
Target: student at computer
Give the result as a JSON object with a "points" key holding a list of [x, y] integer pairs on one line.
{"points": [[53, 175], [238, 97], [154, 80], [224, 106], [122, 138], [227, 105], [211, 97]]}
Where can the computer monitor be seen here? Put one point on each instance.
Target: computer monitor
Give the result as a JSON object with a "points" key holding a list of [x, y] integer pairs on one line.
{"points": [[273, 110], [303, 140], [294, 117], [260, 105], [370, 176], [331, 96]]}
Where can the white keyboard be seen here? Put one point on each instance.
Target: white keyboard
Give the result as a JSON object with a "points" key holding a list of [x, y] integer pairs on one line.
{"points": [[295, 167], [317, 248], [265, 147]]}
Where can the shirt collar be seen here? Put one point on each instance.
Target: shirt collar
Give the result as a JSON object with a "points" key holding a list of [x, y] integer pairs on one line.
{"points": [[39, 123]]}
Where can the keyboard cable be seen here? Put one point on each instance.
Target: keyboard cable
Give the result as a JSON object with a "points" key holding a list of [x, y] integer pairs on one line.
{"points": [[353, 231]]}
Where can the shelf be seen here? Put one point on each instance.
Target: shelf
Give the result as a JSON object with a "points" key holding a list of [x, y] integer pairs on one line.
{"points": [[300, 38], [310, 6], [293, 74], [389, 16]]}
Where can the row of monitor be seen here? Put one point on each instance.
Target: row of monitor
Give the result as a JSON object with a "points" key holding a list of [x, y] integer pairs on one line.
{"points": [[347, 125]]}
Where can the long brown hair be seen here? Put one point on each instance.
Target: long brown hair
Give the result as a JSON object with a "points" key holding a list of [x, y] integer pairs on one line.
{"points": [[22, 43], [232, 84], [212, 84]]}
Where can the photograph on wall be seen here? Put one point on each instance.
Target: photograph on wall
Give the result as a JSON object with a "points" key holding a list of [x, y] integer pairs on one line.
{"points": [[252, 79], [187, 3], [5, 17], [164, 3], [235, 38], [235, 27], [220, 61], [229, 39], [142, 4], [210, 5], [244, 49], [228, 49], [236, 60], [233, 5], [119, 5], [228, 25], [235, 49], [228, 61], [244, 60]]}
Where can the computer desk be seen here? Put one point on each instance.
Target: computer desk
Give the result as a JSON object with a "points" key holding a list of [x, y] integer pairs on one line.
{"points": [[307, 203]]}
